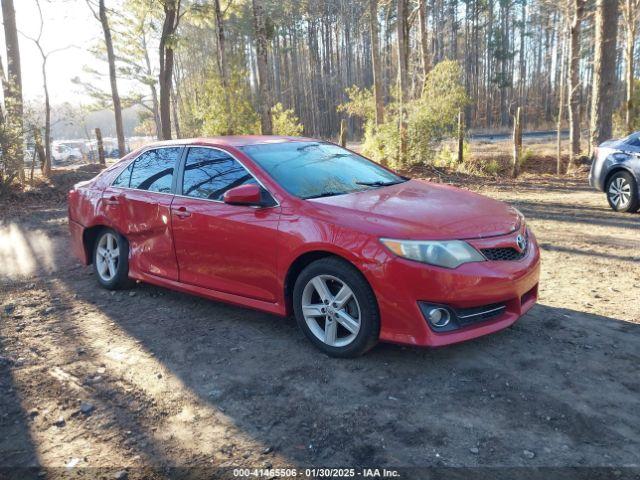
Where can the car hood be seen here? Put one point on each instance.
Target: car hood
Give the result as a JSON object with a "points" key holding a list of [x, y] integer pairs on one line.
{"points": [[421, 210]]}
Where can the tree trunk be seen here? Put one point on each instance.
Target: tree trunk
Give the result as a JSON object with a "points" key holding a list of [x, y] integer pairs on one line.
{"points": [[169, 25], [40, 150], [604, 71], [47, 119], [343, 133], [460, 137], [630, 7], [375, 60], [117, 107], [424, 41], [561, 101], [13, 94], [152, 88], [222, 63], [174, 111], [260, 31], [403, 62], [574, 82]]}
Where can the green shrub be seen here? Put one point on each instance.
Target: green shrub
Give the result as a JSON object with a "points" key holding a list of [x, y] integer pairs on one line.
{"points": [[430, 118], [206, 112], [285, 122]]}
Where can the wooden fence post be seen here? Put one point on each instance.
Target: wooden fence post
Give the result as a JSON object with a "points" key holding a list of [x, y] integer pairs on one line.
{"points": [[343, 133], [101, 158], [517, 143], [460, 137]]}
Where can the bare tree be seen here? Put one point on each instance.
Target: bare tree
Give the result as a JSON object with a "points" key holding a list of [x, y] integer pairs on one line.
{"points": [[604, 71], [37, 40], [260, 30], [375, 61], [101, 16], [574, 79], [630, 17], [13, 93]]}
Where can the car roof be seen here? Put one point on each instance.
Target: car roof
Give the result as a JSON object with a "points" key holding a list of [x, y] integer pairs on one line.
{"points": [[231, 140]]}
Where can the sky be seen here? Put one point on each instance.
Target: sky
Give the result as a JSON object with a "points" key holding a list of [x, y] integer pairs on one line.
{"points": [[66, 23]]}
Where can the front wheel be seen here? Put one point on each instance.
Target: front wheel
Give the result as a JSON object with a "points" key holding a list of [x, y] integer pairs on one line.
{"points": [[622, 192], [110, 260], [336, 308]]}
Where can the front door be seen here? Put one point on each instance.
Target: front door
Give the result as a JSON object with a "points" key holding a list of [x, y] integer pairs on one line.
{"points": [[228, 248]]}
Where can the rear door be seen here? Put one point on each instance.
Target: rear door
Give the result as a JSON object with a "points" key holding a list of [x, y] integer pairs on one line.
{"points": [[228, 248], [140, 204]]}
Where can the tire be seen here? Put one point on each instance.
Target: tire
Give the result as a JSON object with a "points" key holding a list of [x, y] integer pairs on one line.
{"points": [[622, 192], [347, 326], [116, 275]]}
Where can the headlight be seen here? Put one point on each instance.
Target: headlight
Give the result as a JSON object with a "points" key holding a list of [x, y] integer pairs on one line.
{"points": [[522, 221], [449, 254]]}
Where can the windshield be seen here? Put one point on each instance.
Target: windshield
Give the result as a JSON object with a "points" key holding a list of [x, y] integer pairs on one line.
{"points": [[319, 169]]}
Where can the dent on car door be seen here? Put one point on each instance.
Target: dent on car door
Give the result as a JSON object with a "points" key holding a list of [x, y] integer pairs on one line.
{"points": [[228, 248], [139, 204]]}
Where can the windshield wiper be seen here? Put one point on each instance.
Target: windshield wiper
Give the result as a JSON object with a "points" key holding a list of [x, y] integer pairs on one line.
{"points": [[379, 183], [308, 145], [324, 194]]}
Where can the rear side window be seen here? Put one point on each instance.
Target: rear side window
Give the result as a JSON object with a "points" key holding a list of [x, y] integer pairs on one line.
{"points": [[153, 170], [633, 140], [124, 178], [209, 173]]}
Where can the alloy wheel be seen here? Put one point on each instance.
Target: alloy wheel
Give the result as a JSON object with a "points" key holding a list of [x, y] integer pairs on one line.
{"points": [[331, 310], [620, 192], [107, 257]]}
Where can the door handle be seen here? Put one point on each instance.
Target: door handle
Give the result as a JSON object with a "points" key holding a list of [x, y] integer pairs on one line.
{"points": [[113, 200], [182, 212]]}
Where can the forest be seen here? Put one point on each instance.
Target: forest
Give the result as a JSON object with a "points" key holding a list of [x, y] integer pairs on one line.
{"points": [[400, 75]]}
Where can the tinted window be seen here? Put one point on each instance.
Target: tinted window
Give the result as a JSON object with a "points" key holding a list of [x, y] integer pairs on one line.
{"points": [[633, 140], [153, 170], [317, 169], [208, 173], [124, 177]]}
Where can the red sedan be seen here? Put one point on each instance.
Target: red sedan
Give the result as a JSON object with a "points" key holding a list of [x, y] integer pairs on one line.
{"points": [[294, 225]]}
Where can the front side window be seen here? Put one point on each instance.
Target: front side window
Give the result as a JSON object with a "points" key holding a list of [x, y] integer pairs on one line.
{"points": [[319, 169], [153, 170], [209, 173]]}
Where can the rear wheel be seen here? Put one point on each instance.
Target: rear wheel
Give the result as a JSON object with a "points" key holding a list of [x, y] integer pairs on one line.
{"points": [[111, 260], [622, 192], [336, 308]]}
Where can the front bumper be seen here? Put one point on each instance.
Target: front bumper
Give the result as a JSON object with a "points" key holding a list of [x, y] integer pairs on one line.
{"points": [[401, 285]]}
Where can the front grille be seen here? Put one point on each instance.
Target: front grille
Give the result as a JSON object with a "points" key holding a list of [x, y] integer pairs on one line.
{"points": [[501, 254], [506, 253]]}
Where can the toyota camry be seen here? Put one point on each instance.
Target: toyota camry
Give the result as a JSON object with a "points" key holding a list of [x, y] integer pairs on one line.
{"points": [[297, 226]]}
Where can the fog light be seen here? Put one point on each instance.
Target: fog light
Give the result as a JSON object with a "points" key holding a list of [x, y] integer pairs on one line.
{"points": [[438, 317]]}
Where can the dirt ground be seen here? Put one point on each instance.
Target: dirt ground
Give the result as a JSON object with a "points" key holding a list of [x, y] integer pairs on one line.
{"points": [[148, 380]]}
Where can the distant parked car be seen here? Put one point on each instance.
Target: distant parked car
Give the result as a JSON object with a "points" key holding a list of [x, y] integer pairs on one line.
{"points": [[615, 170], [64, 154]]}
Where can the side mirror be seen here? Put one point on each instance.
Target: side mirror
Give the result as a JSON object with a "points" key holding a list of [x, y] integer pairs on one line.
{"points": [[243, 195]]}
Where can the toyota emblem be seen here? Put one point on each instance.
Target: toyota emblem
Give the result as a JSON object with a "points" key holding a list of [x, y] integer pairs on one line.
{"points": [[522, 243]]}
